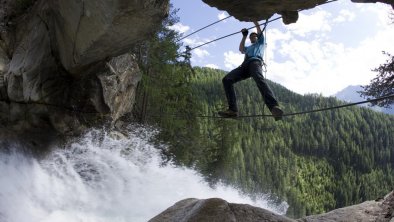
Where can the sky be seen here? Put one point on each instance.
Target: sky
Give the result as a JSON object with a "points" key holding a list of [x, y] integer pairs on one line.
{"points": [[329, 48]]}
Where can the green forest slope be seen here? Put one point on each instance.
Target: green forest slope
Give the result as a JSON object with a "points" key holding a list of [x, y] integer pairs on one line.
{"points": [[315, 162]]}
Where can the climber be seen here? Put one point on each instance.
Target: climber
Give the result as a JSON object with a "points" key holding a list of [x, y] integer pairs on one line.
{"points": [[251, 67]]}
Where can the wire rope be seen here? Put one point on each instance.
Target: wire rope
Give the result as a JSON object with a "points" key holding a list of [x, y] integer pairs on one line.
{"points": [[204, 28], [264, 23], [309, 111]]}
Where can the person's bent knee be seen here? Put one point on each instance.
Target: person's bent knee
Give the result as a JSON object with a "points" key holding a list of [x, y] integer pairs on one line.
{"points": [[226, 80]]}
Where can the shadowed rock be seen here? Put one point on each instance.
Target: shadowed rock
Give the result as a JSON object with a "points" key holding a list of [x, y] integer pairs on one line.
{"points": [[90, 31], [264, 9], [72, 56]]}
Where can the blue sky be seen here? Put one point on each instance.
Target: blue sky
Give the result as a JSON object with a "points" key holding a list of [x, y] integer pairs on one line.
{"points": [[330, 47]]}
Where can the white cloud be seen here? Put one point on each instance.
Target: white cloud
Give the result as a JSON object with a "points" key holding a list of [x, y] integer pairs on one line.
{"points": [[326, 67], [379, 10], [196, 41], [213, 66], [317, 21], [222, 15], [344, 16], [179, 27], [191, 42], [274, 38], [200, 53], [232, 59]]}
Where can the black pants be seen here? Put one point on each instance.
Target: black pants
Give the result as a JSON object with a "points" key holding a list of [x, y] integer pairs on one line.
{"points": [[246, 70]]}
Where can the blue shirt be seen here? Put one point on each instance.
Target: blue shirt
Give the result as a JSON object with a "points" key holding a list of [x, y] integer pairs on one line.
{"points": [[256, 50]]}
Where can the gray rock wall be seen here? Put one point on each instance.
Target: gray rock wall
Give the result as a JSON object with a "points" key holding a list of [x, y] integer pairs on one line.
{"points": [[92, 30], [71, 56], [3, 67]]}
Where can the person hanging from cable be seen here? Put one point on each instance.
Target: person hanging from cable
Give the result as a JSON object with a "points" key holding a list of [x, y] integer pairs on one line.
{"points": [[251, 67]]}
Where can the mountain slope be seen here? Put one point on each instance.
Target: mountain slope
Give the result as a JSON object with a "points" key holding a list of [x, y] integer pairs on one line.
{"points": [[349, 94], [316, 162]]}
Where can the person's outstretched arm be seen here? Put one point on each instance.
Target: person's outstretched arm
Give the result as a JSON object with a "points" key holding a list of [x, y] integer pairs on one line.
{"points": [[257, 27], [242, 43]]}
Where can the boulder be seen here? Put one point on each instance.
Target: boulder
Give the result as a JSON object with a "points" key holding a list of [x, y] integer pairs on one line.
{"points": [[381, 210], [118, 87], [216, 210]]}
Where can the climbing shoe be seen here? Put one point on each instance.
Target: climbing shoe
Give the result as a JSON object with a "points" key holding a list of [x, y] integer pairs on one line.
{"points": [[277, 113], [228, 113]]}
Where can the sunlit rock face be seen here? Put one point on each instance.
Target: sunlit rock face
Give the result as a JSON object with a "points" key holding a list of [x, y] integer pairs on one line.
{"points": [[264, 9], [72, 56]]}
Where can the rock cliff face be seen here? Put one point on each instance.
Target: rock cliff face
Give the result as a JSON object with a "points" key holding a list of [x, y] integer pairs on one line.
{"points": [[71, 56], [218, 210], [264, 9]]}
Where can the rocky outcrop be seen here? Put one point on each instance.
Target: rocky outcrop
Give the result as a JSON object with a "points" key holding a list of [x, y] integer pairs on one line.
{"points": [[218, 210], [265, 9], [71, 56], [379, 211], [116, 84], [109, 91], [89, 31]]}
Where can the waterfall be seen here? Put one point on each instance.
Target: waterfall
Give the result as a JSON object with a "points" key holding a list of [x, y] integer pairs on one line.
{"points": [[101, 177]]}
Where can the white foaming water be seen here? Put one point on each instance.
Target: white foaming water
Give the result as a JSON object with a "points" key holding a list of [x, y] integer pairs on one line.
{"points": [[101, 179]]}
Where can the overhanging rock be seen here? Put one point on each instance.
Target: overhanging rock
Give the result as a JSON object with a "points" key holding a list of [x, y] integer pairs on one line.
{"points": [[264, 9], [61, 59], [92, 30]]}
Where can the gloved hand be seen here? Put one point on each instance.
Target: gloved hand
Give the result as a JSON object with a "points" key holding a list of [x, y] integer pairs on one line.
{"points": [[245, 32]]}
